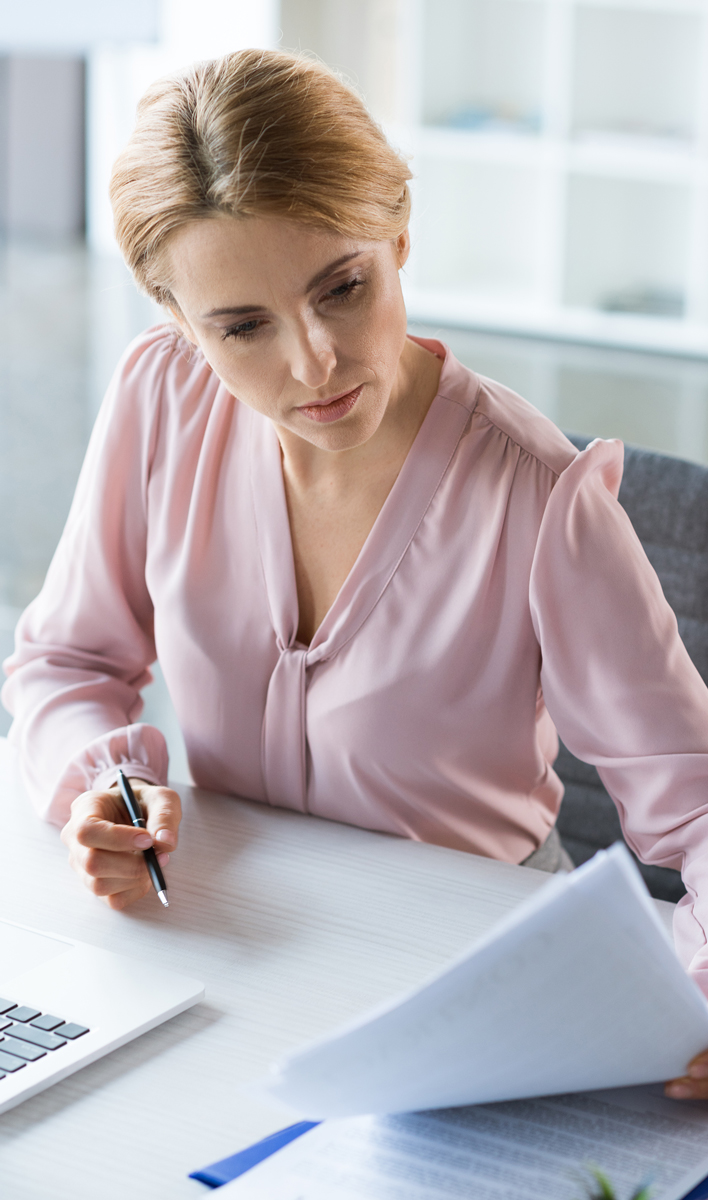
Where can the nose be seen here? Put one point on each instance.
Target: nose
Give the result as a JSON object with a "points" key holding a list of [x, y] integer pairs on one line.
{"points": [[312, 357]]}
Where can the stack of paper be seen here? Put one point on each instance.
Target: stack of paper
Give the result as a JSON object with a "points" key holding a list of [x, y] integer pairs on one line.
{"points": [[578, 989], [521, 1150]]}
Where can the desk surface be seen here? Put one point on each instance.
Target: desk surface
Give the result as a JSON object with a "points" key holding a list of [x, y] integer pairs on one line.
{"points": [[294, 924]]}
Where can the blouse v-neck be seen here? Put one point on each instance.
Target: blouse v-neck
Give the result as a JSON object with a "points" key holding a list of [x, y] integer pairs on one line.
{"points": [[284, 756]]}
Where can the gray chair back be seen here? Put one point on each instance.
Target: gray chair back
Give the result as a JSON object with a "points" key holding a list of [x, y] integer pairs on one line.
{"points": [[666, 500]]}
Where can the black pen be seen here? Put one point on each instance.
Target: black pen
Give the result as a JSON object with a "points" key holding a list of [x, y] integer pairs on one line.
{"points": [[136, 815]]}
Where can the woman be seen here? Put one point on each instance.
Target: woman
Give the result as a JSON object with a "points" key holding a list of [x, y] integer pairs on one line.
{"points": [[374, 581]]}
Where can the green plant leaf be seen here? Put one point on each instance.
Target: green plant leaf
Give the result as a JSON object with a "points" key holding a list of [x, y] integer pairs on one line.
{"points": [[605, 1188], [602, 1189]]}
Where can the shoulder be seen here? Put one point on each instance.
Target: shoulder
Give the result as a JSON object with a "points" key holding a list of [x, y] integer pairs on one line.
{"points": [[494, 407], [158, 386], [161, 385], [161, 357], [524, 425]]}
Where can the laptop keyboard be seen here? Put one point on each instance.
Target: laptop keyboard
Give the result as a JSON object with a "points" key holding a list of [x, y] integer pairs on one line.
{"points": [[26, 1034]]}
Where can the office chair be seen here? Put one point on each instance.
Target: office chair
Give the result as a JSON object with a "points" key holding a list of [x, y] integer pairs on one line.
{"points": [[666, 500]]}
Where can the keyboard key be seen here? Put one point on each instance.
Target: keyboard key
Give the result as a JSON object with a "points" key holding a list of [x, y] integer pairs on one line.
{"points": [[21, 1049], [4, 1022], [38, 1037], [47, 1022], [3, 1075], [24, 1013], [72, 1031], [6, 1005], [8, 1063]]}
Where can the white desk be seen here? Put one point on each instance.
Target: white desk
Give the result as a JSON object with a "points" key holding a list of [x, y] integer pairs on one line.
{"points": [[294, 924]]}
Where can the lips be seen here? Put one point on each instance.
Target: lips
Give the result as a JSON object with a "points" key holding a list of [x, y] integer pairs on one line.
{"points": [[324, 411]]}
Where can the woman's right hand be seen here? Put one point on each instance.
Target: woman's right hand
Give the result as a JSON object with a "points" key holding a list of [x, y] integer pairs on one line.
{"points": [[106, 851]]}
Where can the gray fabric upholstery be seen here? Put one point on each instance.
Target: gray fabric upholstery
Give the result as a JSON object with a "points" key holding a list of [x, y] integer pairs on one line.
{"points": [[667, 502]]}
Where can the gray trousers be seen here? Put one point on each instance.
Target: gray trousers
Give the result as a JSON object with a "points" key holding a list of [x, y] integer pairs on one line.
{"points": [[550, 856]]}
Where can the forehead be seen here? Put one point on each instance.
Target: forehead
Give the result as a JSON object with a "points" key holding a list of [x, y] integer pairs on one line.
{"points": [[244, 260]]}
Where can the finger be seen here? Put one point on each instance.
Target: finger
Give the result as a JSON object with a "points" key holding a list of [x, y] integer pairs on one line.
{"points": [[104, 887], [106, 864], [694, 1084], [121, 900], [164, 813], [96, 822], [687, 1088], [698, 1066], [112, 886]]}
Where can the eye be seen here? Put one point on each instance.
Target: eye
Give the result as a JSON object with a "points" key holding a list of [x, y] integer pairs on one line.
{"points": [[344, 291], [245, 330]]}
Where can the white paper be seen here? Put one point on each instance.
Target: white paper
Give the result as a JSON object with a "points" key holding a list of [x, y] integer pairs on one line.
{"points": [[578, 989], [530, 1149]]}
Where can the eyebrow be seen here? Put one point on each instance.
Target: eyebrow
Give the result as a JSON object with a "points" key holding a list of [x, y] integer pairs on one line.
{"points": [[256, 308], [328, 270]]}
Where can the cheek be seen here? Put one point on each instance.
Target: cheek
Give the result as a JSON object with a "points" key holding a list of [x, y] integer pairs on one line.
{"points": [[383, 335], [254, 376]]}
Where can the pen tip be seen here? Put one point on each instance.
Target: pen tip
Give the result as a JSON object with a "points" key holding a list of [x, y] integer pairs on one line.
{"points": [[163, 897]]}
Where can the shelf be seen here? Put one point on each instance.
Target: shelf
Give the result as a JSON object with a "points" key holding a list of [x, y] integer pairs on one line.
{"points": [[560, 158], [635, 71], [664, 6], [477, 225], [622, 156], [483, 64], [627, 245], [470, 310], [625, 157], [441, 142]]}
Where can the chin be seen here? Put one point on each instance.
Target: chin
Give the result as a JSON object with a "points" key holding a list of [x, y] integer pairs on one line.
{"points": [[344, 435], [353, 430]]}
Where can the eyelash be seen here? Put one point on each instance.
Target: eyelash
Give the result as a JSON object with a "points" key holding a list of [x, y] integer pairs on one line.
{"points": [[241, 334]]}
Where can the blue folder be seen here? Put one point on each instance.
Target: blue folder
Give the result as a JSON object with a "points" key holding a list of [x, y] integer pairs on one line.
{"points": [[230, 1168]]}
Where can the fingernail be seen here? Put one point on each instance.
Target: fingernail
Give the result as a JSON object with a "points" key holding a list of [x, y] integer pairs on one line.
{"points": [[165, 836], [143, 841], [698, 1071], [163, 859], [680, 1091]]}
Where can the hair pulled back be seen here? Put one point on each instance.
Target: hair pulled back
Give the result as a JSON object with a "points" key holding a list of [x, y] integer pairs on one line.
{"points": [[256, 133]]}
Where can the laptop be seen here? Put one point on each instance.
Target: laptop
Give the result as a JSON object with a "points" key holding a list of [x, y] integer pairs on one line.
{"points": [[64, 1004]]}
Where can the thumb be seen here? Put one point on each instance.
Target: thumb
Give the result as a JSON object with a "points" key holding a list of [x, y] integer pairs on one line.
{"points": [[163, 810]]}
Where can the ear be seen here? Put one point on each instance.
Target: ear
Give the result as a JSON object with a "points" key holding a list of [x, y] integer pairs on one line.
{"points": [[403, 247], [183, 324]]}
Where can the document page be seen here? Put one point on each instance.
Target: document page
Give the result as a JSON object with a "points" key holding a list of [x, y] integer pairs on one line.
{"points": [[531, 1149], [578, 989]]}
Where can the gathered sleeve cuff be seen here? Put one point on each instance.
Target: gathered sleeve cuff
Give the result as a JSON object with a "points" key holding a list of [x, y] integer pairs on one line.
{"points": [[619, 684], [138, 750]]}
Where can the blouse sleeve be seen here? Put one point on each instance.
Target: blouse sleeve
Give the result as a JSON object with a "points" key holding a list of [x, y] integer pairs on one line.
{"points": [[619, 684], [84, 646]]}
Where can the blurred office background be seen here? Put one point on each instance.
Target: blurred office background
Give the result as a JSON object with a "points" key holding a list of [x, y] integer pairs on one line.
{"points": [[560, 153]]}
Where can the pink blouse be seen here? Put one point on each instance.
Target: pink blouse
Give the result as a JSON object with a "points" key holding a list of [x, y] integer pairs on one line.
{"points": [[501, 582]]}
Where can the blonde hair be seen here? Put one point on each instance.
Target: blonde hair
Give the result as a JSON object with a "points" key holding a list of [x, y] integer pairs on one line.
{"points": [[256, 133]]}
